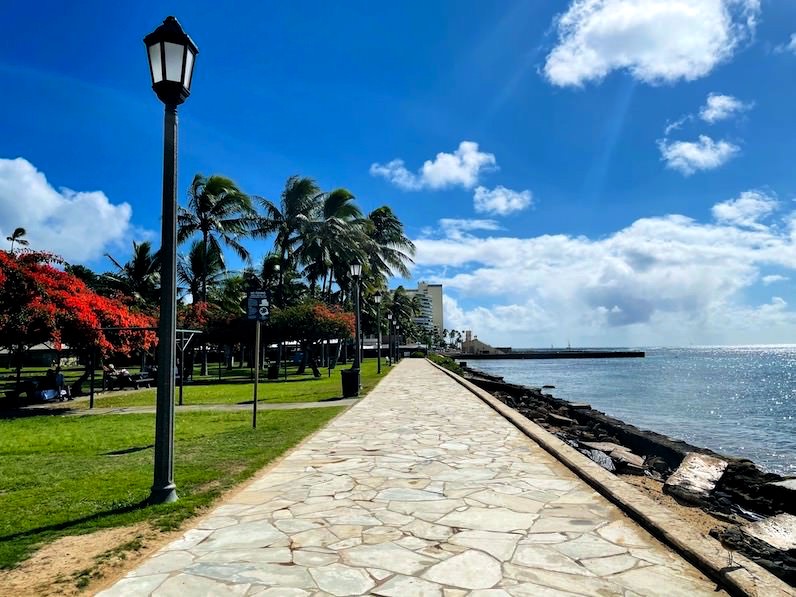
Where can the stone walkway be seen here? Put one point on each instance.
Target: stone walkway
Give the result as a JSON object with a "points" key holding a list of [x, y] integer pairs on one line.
{"points": [[421, 489]]}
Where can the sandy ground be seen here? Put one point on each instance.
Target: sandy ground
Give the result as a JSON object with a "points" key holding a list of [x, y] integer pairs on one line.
{"points": [[695, 517], [75, 564]]}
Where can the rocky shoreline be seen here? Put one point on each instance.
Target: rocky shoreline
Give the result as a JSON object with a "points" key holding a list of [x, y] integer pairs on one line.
{"points": [[733, 491]]}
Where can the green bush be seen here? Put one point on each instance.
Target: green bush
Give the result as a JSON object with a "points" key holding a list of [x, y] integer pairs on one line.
{"points": [[446, 362], [418, 354]]}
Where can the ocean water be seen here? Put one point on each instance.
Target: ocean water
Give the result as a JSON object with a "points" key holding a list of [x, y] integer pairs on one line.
{"points": [[738, 401]]}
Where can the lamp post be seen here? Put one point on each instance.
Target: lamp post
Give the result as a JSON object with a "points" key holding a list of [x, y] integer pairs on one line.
{"points": [[377, 300], [397, 342], [356, 272], [171, 56], [389, 337]]}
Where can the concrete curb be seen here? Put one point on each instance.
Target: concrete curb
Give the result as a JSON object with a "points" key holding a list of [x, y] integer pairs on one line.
{"points": [[707, 555]]}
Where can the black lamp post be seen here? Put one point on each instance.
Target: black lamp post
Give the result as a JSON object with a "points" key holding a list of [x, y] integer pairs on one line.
{"points": [[397, 342], [389, 337], [377, 300], [356, 272], [171, 59]]}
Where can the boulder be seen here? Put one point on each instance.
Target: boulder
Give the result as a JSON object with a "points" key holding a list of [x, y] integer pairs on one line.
{"points": [[778, 531], [625, 456], [696, 477], [559, 420], [601, 458]]}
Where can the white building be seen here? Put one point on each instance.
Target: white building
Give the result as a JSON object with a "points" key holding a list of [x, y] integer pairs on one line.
{"points": [[430, 299]]}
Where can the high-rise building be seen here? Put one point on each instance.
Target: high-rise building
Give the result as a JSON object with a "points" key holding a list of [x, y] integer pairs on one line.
{"points": [[430, 299]]}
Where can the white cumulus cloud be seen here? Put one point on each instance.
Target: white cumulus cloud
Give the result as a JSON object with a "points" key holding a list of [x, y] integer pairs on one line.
{"points": [[746, 210], [661, 280], [500, 200], [461, 168], [77, 225], [656, 41], [787, 47], [687, 157], [774, 278], [720, 107]]}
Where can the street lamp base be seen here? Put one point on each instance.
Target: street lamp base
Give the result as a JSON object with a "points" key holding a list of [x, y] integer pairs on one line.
{"points": [[163, 495]]}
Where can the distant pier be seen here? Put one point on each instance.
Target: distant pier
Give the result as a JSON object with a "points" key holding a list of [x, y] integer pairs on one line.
{"points": [[555, 354]]}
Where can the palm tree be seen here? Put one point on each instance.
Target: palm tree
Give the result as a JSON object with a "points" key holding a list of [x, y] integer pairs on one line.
{"points": [[332, 237], [394, 249], [196, 267], [221, 213], [140, 276], [16, 237]]}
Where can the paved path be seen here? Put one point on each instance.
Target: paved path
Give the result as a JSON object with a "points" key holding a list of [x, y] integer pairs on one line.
{"points": [[421, 489]]}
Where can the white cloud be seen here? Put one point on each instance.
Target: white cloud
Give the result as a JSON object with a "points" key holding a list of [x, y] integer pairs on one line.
{"points": [[788, 47], [689, 156], [77, 225], [462, 168], [661, 280], [773, 279], [456, 228], [657, 41], [500, 200], [720, 107], [746, 210]]}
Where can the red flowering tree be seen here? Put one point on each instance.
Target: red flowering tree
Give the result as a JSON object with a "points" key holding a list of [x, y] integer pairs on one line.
{"points": [[309, 323], [41, 303]]}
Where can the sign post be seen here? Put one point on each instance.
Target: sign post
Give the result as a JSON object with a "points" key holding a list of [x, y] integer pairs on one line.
{"points": [[258, 310]]}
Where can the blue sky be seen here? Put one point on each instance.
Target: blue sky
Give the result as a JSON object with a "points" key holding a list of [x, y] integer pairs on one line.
{"points": [[554, 204]]}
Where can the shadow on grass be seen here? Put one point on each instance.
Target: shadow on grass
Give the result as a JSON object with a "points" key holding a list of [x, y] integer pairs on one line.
{"points": [[67, 524], [22, 413], [128, 450]]}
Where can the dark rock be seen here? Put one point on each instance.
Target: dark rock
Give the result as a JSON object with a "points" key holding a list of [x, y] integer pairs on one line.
{"points": [[559, 420], [601, 458]]}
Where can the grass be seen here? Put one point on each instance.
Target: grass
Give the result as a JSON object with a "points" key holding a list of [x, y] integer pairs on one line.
{"points": [[71, 475], [237, 388]]}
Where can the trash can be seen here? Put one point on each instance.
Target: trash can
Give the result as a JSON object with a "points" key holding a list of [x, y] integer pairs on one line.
{"points": [[273, 371], [350, 379]]}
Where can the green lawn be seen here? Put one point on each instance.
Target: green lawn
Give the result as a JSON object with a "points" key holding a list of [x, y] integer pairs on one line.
{"points": [[237, 387], [71, 475]]}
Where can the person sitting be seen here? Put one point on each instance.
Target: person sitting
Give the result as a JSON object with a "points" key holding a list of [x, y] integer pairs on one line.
{"points": [[60, 386]]}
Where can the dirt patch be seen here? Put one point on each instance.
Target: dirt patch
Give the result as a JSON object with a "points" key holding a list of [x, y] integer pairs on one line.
{"points": [[695, 517], [78, 563]]}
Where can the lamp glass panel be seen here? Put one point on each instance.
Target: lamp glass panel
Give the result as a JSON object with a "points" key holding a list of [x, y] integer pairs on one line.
{"points": [[188, 69], [155, 65], [173, 61], [356, 269]]}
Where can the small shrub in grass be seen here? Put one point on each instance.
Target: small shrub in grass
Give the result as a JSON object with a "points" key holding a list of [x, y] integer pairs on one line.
{"points": [[446, 362], [418, 354]]}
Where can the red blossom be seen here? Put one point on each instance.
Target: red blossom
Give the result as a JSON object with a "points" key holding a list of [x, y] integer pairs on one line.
{"points": [[40, 303]]}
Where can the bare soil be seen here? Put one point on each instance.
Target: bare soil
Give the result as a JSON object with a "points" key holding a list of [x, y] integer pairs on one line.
{"points": [[78, 564], [694, 516]]}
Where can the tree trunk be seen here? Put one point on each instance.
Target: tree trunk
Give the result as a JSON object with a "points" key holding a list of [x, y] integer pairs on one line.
{"points": [[204, 296], [304, 354], [313, 364]]}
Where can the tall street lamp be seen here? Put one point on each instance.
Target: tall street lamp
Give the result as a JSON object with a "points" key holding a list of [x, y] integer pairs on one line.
{"points": [[356, 272], [377, 300], [389, 337], [171, 59], [397, 342]]}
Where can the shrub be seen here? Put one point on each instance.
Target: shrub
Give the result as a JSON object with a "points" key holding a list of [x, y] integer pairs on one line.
{"points": [[446, 362], [418, 354]]}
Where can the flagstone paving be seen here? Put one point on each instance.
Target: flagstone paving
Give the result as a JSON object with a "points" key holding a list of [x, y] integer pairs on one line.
{"points": [[420, 489]]}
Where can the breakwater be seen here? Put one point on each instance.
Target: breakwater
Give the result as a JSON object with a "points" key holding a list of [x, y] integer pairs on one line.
{"points": [[555, 354]]}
